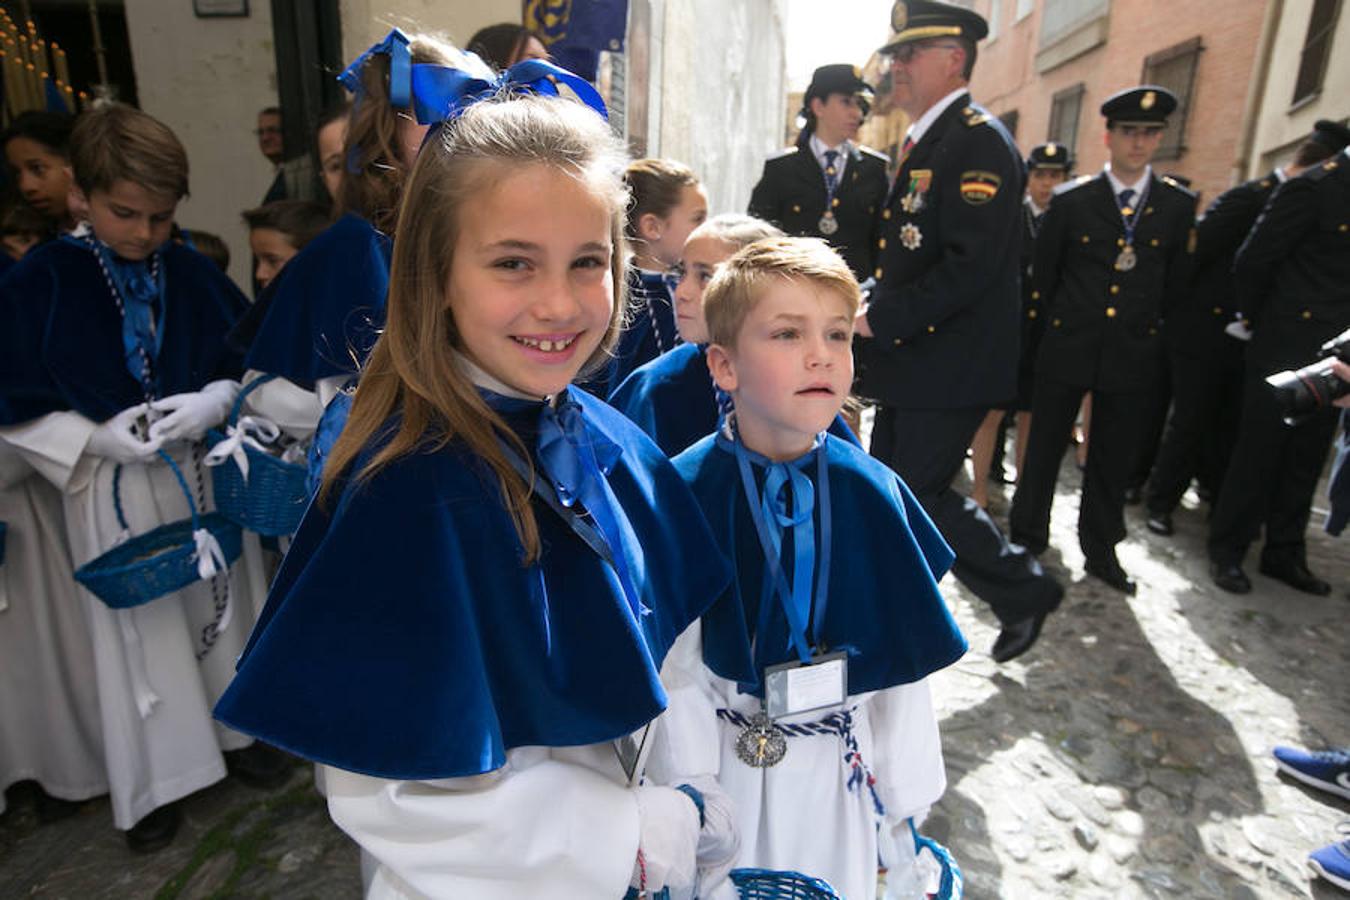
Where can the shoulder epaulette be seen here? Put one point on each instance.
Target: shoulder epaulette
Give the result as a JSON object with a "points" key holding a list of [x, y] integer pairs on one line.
{"points": [[875, 154], [1177, 185], [1073, 183], [786, 151], [1319, 172], [972, 116]]}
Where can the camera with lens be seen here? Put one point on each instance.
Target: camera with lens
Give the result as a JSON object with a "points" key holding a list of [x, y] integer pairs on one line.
{"points": [[1301, 394]]}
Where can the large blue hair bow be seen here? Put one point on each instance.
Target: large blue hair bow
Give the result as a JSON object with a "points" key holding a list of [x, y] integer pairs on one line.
{"points": [[395, 46], [441, 93]]}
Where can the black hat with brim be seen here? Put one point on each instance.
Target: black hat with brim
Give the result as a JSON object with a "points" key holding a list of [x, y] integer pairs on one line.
{"points": [[1050, 155], [1148, 104], [836, 78], [918, 20], [1330, 134]]}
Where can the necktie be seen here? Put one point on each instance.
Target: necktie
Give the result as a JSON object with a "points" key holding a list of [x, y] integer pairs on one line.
{"points": [[831, 173], [1125, 197]]}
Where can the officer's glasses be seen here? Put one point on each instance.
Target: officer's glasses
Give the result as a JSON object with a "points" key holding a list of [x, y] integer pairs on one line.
{"points": [[905, 53]]}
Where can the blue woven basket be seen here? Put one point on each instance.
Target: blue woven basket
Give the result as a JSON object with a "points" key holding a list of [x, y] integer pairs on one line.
{"points": [[767, 884], [158, 562], [272, 501]]}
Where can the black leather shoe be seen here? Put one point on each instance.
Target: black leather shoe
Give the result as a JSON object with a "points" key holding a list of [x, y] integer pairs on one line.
{"points": [[1231, 578], [1017, 638], [259, 765], [156, 830], [1109, 571], [1160, 523], [53, 809], [1297, 576]]}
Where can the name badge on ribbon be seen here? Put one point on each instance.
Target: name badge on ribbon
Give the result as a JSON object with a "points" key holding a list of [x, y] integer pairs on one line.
{"points": [[793, 688]]}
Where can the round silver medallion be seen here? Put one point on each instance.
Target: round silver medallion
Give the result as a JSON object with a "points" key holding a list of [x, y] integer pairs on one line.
{"points": [[1127, 259], [828, 224], [760, 744]]}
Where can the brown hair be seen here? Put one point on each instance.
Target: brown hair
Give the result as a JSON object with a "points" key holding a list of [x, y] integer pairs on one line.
{"points": [[740, 282], [500, 45], [373, 189], [412, 372], [212, 246], [113, 142], [300, 221], [656, 185]]}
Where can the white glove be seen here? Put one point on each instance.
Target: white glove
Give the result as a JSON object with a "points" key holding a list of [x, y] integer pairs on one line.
{"points": [[668, 839], [719, 842], [118, 439], [191, 415]]}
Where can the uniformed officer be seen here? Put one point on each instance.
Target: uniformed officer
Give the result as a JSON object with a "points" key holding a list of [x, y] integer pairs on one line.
{"points": [[1206, 361], [943, 320], [1293, 287], [1114, 253], [827, 186], [1048, 166]]}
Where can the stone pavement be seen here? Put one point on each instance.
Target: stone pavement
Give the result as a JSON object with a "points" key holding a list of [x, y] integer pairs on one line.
{"points": [[1128, 755]]}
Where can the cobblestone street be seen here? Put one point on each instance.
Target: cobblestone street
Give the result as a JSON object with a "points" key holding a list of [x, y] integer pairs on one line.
{"points": [[1128, 755]]}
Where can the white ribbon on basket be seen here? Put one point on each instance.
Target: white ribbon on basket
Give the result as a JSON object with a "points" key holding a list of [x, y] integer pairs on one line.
{"points": [[252, 431], [210, 563]]}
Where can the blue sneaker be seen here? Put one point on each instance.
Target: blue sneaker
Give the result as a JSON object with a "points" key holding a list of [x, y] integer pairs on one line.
{"points": [[1332, 862], [1327, 770]]}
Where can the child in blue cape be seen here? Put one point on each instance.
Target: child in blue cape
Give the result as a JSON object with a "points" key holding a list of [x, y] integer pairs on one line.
{"points": [[112, 349], [673, 397], [803, 691], [468, 628]]}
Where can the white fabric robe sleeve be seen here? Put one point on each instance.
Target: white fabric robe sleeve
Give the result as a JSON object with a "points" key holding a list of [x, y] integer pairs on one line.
{"points": [[543, 825], [54, 446], [687, 742], [290, 407]]}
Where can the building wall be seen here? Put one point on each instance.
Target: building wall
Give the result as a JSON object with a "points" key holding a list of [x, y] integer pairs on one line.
{"points": [[206, 79], [722, 92], [366, 21], [1008, 77], [1278, 127]]}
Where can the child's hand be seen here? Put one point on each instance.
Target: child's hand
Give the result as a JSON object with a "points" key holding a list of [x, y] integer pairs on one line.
{"points": [[119, 438]]}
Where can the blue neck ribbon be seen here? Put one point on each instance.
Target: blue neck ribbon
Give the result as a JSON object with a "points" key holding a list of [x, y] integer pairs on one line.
{"points": [[576, 461], [788, 500], [141, 289]]}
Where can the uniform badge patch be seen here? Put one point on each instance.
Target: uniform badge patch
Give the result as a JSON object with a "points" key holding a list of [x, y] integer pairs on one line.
{"points": [[979, 187], [920, 180], [910, 236]]}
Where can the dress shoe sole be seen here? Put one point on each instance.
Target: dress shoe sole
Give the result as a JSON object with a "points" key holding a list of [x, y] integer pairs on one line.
{"points": [[1159, 527]]}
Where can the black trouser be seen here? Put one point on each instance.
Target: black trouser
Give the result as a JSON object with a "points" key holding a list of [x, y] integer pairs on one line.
{"points": [[1206, 408], [927, 447], [1271, 479], [1117, 420], [1151, 432]]}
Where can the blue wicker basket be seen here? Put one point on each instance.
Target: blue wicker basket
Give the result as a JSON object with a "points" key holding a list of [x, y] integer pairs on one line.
{"points": [[272, 500], [768, 884], [158, 562]]}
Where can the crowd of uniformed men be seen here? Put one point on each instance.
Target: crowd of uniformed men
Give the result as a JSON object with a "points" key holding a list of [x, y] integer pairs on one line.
{"points": [[1001, 285]]}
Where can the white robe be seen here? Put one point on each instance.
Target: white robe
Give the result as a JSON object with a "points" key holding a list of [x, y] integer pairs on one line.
{"points": [[155, 696], [799, 815], [290, 407], [556, 822], [49, 719]]}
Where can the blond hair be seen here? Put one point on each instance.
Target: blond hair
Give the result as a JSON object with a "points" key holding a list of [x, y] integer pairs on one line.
{"points": [[114, 142], [736, 229], [412, 371], [741, 281], [372, 181]]}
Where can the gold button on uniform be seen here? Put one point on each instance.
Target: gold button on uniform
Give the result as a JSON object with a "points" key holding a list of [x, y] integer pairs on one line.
{"points": [[1343, 228], [1153, 243], [877, 273], [1307, 314], [836, 202], [1115, 289], [881, 244], [1031, 314], [1055, 323], [1110, 312], [885, 213], [897, 342], [1035, 295], [1120, 242], [1218, 310], [932, 329], [796, 208], [1086, 238]]}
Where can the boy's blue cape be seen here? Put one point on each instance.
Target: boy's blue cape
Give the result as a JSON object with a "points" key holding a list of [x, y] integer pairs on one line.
{"points": [[61, 334], [404, 639], [322, 314], [673, 399], [886, 556]]}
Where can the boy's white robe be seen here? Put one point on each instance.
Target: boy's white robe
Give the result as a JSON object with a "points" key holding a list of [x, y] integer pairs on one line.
{"points": [[155, 697], [800, 815], [49, 718]]}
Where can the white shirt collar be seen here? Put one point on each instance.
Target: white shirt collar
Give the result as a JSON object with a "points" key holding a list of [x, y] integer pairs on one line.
{"points": [[1117, 185], [1035, 210], [818, 147], [925, 121], [482, 379]]}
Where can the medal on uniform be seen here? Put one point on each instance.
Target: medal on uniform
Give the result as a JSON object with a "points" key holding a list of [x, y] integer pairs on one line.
{"points": [[761, 745], [910, 236], [1127, 259], [828, 224], [919, 182]]}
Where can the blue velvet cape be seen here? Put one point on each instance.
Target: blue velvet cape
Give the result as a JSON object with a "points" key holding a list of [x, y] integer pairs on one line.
{"points": [[673, 399], [886, 556], [404, 639], [322, 314], [61, 334]]}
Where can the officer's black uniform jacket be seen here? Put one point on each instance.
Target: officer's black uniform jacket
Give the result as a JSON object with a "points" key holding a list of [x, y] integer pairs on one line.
{"points": [[791, 195], [946, 310], [1033, 323], [1195, 327], [1293, 272], [1105, 326]]}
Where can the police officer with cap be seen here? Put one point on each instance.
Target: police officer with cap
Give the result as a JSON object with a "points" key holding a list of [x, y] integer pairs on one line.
{"points": [[941, 328], [1048, 166], [1292, 276], [1206, 360], [827, 186], [1113, 255]]}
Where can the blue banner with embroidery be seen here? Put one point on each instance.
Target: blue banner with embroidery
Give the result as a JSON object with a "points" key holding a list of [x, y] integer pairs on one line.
{"points": [[440, 93], [575, 31]]}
